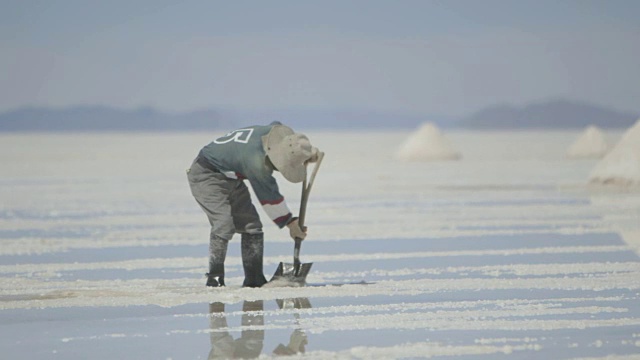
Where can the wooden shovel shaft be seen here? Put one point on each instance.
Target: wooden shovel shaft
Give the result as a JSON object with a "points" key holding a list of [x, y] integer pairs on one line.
{"points": [[306, 189]]}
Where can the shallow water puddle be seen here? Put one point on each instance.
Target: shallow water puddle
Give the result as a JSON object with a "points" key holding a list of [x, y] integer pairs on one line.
{"points": [[556, 324]]}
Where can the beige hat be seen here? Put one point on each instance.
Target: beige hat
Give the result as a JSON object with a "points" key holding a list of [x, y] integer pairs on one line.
{"points": [[288, 152]]}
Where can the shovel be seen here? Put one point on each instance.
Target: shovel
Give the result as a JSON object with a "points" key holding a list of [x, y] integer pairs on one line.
{"points": [[297, 272]]}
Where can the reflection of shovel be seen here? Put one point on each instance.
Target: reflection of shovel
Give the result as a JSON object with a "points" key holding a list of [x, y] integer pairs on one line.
{"points": [[297, 272], [298, 339]]}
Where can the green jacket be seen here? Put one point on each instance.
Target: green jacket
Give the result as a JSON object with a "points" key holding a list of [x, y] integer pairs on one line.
{"points": [[240, 155]]}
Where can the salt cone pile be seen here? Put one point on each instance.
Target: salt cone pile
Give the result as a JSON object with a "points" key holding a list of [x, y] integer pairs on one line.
{"points": [[590, 145], [427, 144], [622, 165]]}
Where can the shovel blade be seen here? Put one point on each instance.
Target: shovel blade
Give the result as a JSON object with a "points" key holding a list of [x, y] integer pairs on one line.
{"points": [[289, 272]]}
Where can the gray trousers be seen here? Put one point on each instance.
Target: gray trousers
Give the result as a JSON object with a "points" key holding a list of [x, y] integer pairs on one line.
{"points": [[227, 204]]}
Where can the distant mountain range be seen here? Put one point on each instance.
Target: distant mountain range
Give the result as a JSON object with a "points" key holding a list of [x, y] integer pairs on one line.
{"points": [[101, 118], [338, 119], [556, 114]]}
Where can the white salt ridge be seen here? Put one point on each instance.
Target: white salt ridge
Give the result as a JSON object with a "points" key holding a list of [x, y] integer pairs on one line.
{"points": [[427, 144], [514, 305], [35, 293], [480, 319], [192, 262], [495, 270], [622, 165], [507, 318], [591, 144], [412, 350], [504, 340], [12, 247], [404, 228], [432, 349], [612, 357], [458, 321]]}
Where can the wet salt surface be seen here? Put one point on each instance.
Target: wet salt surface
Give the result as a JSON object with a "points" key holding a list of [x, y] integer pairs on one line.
{"points": [[187, 331], [480, 259], [521, 241]]}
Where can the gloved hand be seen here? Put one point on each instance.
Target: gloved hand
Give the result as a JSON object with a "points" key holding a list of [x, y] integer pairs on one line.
{"points": [[295, 231], [314, 155]]}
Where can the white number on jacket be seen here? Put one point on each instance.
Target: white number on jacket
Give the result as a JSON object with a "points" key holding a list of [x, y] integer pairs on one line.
{"points": [[240, 135]]}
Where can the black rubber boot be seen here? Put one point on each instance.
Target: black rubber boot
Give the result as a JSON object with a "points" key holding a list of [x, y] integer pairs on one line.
{"points": [[217, 254], [215, 280], [252, 252]]}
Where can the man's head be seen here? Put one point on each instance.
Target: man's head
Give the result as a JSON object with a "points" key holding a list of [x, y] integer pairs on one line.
{"points": [[288, 151]]}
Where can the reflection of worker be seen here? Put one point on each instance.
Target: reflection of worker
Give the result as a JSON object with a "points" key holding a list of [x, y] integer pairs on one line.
{"points": [[298, 339], [249, 345], [216, 180]]}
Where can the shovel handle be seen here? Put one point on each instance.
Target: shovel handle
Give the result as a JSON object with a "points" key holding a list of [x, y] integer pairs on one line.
{"points": [[306, 189]]}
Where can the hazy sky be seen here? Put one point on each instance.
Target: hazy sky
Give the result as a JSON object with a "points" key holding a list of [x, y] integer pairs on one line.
{"points": [[420, 57]]}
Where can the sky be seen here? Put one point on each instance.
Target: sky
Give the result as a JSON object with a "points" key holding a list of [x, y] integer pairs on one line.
{"points": [[415, 57]]}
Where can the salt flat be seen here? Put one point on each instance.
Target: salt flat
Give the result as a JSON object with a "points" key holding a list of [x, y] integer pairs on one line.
{"points": [[506, 253]]}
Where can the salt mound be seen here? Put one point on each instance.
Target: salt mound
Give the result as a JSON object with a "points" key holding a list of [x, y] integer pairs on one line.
{"points": [[590, 145], [427, 144], [622, 165]]}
